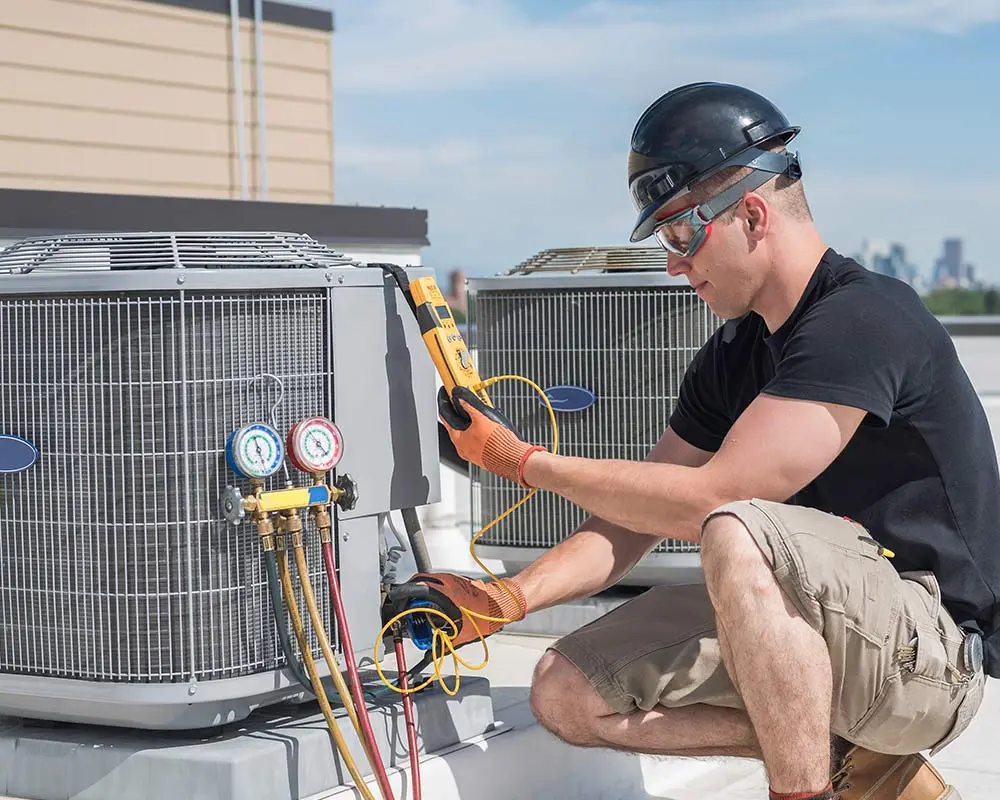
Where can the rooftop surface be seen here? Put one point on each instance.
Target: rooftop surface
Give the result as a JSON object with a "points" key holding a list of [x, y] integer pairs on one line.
{"points": [[527, 762]]}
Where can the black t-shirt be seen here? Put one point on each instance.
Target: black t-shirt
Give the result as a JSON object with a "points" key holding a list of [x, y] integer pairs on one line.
{"points": [[921, 471]]}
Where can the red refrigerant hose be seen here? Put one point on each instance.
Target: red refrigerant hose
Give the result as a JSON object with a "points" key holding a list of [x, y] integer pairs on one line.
{"points": [[411, 725], [352, 672]]}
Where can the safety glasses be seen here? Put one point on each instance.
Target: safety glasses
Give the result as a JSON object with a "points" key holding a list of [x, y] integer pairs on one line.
{"points": [[685, 231]]}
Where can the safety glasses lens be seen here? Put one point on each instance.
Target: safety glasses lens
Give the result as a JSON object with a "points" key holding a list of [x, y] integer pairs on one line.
{"points": [[668, 242], [678, 234]]}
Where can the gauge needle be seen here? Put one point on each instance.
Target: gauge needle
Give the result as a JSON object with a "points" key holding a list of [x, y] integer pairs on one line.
{"points": [[319, 443]]}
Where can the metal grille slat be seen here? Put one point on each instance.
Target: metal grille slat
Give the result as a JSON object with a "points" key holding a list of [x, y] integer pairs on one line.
{"points": [[590, 259], [130, 251], [629, 342]]}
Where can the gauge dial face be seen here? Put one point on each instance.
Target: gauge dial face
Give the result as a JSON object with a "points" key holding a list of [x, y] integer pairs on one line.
{"points": [[316, 445], [257, 450]]}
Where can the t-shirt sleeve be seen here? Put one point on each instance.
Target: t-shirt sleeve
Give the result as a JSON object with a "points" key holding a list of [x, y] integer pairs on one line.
{"points": [[700, 416], [848, 351]]}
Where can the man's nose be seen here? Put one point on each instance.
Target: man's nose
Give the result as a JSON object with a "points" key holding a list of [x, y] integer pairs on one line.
{"points": [[677, 265]]}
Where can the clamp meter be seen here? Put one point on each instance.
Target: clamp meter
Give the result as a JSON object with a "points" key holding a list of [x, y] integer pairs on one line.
{"points": [[444, 342], [419, 626], [439, 331]]}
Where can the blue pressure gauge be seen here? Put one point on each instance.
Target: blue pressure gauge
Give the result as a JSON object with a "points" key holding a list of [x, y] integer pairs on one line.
{"points": [[255, 451]]}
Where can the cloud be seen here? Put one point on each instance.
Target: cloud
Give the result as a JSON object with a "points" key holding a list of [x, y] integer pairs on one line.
{"points": [[392, 46], [511, 128], [936, 16], [442, 45], [493, 204]]}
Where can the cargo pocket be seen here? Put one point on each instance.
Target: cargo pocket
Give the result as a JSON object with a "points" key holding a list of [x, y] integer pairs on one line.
{"points": [[915, 708], [912, 710]]}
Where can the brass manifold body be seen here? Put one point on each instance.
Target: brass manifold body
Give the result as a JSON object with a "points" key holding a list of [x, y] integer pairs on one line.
{"points": [[317, 498]]}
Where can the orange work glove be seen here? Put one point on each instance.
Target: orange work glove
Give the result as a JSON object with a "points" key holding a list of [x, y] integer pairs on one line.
{"points": [[454, 595], [483, 435]]}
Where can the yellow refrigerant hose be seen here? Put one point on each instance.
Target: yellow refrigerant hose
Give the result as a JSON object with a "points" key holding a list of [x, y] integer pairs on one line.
{"points": [[317, 684], [440, 633], [324, 643]]}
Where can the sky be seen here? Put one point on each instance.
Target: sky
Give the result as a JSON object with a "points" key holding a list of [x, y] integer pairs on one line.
{"points": [[509, 120]]}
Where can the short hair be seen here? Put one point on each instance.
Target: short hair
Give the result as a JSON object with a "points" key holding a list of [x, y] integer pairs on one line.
{"points": [[783, 191]]}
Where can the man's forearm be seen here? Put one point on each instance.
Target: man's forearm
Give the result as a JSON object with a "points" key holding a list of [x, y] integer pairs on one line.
{"points": [[597, 555], [654, 498]]}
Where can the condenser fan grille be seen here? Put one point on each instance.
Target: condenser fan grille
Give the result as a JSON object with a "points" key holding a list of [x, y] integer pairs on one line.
{"points": [[629, 346], [116, 563]]}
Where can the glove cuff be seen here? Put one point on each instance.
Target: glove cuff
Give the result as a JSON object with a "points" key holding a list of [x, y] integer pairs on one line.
{"points": [[502, 604], [505, 454], [524, 460]]}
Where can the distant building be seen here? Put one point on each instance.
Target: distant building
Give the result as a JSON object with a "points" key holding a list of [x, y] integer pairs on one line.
{"points": [[890, 259], [950, 270], [151, 114], [454, 291]]}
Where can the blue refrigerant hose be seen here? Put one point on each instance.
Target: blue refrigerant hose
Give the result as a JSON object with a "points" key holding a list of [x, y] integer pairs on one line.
{"points": [[294, 665], [274, 585]]}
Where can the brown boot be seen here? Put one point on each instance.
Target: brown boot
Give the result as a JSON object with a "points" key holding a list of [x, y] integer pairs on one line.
{"points": [[865, 775]]}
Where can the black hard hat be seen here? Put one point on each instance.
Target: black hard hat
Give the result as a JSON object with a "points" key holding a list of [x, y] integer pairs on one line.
{"points": [[694, 131]]}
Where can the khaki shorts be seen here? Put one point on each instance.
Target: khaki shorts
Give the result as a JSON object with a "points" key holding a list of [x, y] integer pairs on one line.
{"points": [[899, 685]]}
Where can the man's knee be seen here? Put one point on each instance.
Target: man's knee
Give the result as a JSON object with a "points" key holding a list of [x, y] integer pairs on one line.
{"points": [[563, 701], [729, 551]]}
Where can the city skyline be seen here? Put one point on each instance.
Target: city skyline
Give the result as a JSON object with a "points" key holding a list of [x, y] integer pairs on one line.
{"points": [[948, 269]]}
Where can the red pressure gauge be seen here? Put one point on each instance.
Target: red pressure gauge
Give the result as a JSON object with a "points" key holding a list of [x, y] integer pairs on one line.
{"points": [[315, 445]]}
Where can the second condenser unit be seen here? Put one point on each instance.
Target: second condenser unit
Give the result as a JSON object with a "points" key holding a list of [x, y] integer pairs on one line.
{"points": [[608, 335]]}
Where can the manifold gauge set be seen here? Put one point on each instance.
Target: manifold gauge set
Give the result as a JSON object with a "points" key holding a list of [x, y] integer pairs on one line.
{"points": [[257, 451]]}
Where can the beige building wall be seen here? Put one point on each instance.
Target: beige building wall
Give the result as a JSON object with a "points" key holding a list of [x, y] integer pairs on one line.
{"points": [[137, 97]]}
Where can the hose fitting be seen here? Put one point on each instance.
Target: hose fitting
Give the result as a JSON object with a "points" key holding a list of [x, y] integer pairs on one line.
{"points": [[261, 519], [321, 514]]}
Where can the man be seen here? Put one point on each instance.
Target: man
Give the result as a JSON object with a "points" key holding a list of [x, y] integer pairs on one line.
{"points": [[832, 460]]}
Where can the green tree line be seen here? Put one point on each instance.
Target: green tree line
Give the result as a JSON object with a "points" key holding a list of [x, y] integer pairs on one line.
{"points": [[959, 302]]}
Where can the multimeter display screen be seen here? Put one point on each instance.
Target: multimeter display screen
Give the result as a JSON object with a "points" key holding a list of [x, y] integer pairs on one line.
{"points": [[442, 312]]}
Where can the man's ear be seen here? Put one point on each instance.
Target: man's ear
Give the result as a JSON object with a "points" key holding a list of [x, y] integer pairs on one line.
{"points": [[757, 214]]}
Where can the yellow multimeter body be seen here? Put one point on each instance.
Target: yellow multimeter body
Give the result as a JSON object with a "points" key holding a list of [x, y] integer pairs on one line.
{"points": [[444, 341]]}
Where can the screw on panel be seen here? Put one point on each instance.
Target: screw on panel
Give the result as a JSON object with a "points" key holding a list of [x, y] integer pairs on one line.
{"points": [[340, 279], [180, 279]]}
